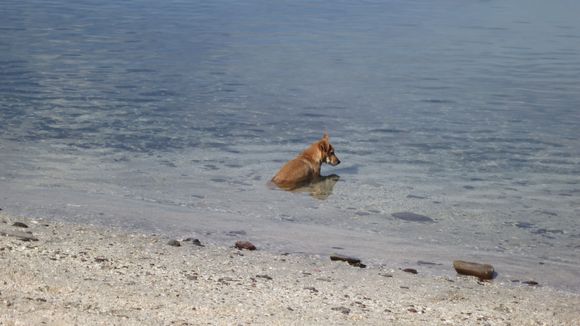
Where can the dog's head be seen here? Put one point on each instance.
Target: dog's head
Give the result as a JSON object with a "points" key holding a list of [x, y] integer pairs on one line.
{"points": [[327, 151]]}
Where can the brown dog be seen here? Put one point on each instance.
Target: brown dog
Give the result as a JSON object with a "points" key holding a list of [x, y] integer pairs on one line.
{"points": [[305, 168]]}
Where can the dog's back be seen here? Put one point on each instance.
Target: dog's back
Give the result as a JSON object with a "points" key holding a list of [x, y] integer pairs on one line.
{"points": [[295, 173]]}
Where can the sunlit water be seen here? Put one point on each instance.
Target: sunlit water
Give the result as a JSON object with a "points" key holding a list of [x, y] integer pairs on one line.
{"points": [[171, 116]]}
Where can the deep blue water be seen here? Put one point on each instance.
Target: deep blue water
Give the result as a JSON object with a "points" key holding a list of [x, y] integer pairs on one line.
{"points": [[172, 116]]}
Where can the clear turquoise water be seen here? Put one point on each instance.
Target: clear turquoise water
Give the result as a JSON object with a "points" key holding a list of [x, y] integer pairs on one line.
{"points": [[171, 117]]}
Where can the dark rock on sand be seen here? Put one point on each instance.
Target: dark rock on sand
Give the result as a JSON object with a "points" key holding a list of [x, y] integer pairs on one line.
{"points": [[412, 217], [174, 243], [245, 245], [344, 310], [410, 270], [194, 242], [267, 277], [20, 225], [191, 277], [311, 288], [531, 283], [483, 271], [350, 260]]}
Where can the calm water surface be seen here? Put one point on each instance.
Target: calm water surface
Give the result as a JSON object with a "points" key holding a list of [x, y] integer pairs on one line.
{"points": [[171, 116]]}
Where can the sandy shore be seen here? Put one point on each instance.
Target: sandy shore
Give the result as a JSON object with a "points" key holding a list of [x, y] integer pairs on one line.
{"points": [[63, 274]]}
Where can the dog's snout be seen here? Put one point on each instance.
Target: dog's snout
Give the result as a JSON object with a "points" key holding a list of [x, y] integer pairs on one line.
{"points": [[334, 160]]}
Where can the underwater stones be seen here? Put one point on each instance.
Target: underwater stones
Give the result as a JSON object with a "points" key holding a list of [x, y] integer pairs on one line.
{"points": [[483, 271], [236, 233], [411, 196], [412, 217]]}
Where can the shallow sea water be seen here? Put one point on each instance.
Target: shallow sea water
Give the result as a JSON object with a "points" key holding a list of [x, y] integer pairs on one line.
{"points": [[171, 117]]}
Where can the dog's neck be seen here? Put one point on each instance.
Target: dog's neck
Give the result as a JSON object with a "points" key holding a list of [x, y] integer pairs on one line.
{"points": [[313, 157]]}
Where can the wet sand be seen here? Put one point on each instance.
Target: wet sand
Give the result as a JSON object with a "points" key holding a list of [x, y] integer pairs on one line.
{"points": [[62, 274]]}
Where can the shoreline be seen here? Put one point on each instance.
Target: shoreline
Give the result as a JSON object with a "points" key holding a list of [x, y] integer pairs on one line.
{"points": [[71, 273]]}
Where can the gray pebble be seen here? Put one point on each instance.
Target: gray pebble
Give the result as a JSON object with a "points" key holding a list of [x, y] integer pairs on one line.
{"points": [[174, 243], [344, 310]]}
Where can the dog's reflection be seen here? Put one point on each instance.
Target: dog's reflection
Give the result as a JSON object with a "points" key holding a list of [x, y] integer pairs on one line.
{"points": [[321, 187]]}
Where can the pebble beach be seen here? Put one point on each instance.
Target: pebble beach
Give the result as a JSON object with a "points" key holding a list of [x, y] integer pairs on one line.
{"points": [[54, 273]]}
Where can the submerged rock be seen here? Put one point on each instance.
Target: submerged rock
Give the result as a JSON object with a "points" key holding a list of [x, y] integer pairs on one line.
{"points": [[483, 271], [236, 233], [20, 225], [412, 217], [411, 196], [410, 270]]}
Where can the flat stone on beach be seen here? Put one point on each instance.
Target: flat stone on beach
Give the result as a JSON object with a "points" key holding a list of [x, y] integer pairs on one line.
{"points": [[483, 271], [245, 245], [350, 260], [174, 243], [195, 242], [412, 217], [100, 259], [20, 225], [531, 283]]}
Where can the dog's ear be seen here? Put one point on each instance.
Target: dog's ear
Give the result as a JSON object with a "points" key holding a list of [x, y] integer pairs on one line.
{"points": [[323, 144]]}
